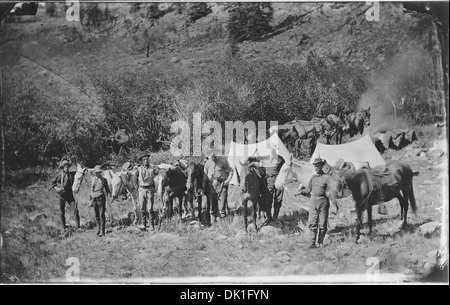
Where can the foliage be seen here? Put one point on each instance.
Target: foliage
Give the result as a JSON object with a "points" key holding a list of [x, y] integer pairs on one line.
{"points": [[135, 103], [249, 21], [198, 10]]}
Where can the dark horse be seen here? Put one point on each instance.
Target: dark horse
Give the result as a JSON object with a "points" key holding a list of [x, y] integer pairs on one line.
{"points": [[194, 185], [357, 121], [394, 182], [252, 180], [173, 183]]}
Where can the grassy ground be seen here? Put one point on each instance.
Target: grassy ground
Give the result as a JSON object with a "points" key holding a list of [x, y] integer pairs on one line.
{"points": [[33, 252]]}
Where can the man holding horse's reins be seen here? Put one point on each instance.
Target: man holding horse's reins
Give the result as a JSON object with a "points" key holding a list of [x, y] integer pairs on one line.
{"points": [[145, 180], [62, 184], [219, 174], [319, 204]]}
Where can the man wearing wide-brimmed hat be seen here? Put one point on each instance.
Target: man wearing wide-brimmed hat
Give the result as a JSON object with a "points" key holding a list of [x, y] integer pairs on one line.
{"points": [[99, 191], [62, 184], [319, 203], [218, 174], [145, 180]]}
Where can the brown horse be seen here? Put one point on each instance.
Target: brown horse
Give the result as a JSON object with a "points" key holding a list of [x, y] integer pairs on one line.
{"points": [[173, 185], [370, 187], [252, 180], [357, 121]]}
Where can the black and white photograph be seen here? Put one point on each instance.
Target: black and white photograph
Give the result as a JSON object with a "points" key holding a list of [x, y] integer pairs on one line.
{"points": [[224, 143]]}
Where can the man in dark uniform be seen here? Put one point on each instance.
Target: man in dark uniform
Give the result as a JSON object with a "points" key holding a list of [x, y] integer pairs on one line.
{"points": [[62, 184], [99, 191], [319, 203]]}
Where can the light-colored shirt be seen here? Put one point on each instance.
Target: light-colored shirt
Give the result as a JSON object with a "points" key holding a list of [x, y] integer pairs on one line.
{"points": [[146, 176], [318, 185], [219, 170], [99, 186]]}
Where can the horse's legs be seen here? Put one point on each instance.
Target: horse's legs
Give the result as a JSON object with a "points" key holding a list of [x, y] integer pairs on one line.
{"points": [[369, 217], [245, 213], [199, 208], [255, 206], [180, 205], [405, 212], [358, 222], [400, 202]]}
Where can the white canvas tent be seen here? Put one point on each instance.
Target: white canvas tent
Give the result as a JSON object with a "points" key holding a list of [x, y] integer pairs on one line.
{"points": [[362, 150], [272, 147]]}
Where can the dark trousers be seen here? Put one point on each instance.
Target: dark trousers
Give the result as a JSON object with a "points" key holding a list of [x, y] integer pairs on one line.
{"points": [[219, 202], [68, 198], [276, 195], [99, 210], [318, 218]]}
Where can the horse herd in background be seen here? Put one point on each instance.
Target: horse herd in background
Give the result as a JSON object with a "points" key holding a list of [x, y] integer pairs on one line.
{"points": [[301, 136]]}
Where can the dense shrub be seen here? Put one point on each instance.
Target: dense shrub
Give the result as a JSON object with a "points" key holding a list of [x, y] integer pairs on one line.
{"points": [[198, 10], [249, 21]]}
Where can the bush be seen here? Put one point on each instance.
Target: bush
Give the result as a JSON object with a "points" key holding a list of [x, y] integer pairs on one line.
{"points": [[198, 10], [249, 21]]}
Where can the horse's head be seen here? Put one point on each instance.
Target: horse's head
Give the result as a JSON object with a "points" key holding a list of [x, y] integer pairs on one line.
{"points": [[191, 172], [81, 171], [366, 116]]}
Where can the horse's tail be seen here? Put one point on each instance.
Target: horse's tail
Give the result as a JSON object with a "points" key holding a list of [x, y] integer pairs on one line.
{"points": [[412, 199]]}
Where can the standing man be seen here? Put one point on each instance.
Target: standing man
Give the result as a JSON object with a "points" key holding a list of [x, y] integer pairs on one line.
{"points": [[62, 184], [144, 179], [276, 195], [218, 174], [319, 203], [99, 191], [272, 171]]}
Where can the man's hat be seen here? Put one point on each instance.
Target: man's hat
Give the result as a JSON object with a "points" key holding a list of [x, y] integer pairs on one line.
{"points": [[214, 151], [144, 154], [97, 169], [318, 161], [64, 163]]}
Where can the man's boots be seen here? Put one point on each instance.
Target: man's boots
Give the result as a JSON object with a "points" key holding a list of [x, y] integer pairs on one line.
{"points": [[77, 220], [145, 219], [103, 221], [99, 225], [63, 223], [322, 234]]}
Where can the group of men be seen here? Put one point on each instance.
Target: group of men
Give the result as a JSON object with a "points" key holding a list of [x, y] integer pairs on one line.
{"points": [[99, 189], [218, 175]]}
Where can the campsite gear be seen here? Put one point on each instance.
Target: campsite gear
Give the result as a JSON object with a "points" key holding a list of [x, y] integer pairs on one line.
{"points": [[362, 149]]}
